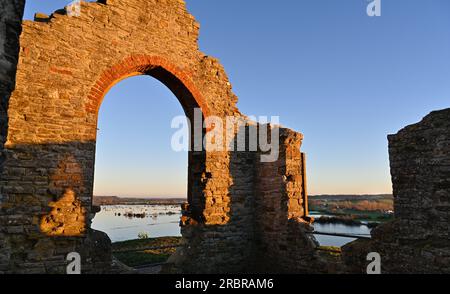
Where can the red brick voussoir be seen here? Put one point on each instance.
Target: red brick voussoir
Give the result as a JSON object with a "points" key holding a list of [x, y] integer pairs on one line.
{"points": [[139, 65]]}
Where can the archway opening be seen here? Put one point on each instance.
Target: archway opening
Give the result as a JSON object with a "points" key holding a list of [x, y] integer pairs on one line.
{"points": [[140, 180]]}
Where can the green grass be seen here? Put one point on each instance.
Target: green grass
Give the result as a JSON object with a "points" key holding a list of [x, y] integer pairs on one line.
{"points": [[134, 259], [330, 248], [370, 216], [330, 251], [143, 257]]}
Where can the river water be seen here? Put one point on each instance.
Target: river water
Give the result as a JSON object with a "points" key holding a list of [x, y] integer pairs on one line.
{"points": [[159, 221], [163, 220]]}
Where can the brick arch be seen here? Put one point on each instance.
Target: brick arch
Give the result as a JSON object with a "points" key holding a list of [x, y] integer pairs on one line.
{"points": [[66, 66], [177, 80], [181, 85]]}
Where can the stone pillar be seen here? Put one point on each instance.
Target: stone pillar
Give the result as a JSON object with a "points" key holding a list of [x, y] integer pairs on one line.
{"points": [[281, 210], [221, 238]]}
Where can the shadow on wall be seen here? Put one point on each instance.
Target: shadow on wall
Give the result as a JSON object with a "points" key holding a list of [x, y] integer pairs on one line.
{"points": [[47, 205], [45, 176], [67, 217], [218, 223], [251, 207], [11, 13]]}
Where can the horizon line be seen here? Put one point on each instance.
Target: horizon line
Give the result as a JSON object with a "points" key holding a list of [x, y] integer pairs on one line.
{"points": [[185, 197]]}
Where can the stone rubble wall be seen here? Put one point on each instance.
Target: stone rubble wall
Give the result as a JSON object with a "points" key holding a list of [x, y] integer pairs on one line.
{"points": [[11, 13], [420, 168], [263, 199], [10, 28], [243, 215], [282, 224], [66, 66], [418, 240]]}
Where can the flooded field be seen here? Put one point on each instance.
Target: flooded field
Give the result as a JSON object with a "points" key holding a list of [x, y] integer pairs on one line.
{"points": [[127, 222]]}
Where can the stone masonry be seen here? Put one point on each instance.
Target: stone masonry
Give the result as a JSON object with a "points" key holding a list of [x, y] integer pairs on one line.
{"points": [[11, 13], [66, 66], [242, 215], [418, 240]]}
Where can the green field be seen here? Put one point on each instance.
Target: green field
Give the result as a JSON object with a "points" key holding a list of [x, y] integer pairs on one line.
{"points": [[134, 256], [371, 208]]}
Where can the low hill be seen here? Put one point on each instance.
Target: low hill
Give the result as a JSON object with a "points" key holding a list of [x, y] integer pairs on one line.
{"points": [[352, 197], [115, 200]]}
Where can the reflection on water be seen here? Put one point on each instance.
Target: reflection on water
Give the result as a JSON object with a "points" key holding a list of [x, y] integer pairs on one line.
{"points": [[125, 222], [342, 229], [362, 230]]}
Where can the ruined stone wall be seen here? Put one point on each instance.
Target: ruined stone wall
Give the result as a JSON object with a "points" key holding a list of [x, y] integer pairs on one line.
{"points": [[66, 66], [268, 202], [11, 13], [244, 215], [226, 247], [418, 240], [282, 219], [261, 194], [420, 168]]}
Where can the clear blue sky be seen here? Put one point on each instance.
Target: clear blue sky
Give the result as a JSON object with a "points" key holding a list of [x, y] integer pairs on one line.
{"points": [[343, 79]]}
